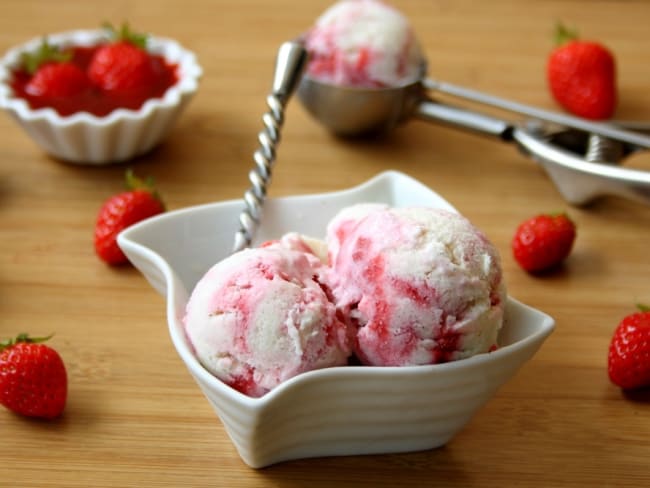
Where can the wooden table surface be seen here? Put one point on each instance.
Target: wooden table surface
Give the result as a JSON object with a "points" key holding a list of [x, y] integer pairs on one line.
{"points": [[134, 416]]}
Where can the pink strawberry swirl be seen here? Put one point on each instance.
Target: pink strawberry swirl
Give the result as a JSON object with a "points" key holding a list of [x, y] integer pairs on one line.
{"points": [[262, 316], [419, 285]]}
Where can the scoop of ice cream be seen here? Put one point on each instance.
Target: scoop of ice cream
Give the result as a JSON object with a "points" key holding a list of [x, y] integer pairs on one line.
{"points": [[363, 43], [262, 316], [420, 285]]}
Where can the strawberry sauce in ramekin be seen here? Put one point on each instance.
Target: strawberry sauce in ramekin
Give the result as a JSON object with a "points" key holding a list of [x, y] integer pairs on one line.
{"points": [[95, 100]]}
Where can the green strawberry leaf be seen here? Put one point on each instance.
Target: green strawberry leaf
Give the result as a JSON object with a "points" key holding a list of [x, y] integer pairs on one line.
{"points": [[563, 34], [126, 34], [134, 182], [45, 53], [23, 337]]}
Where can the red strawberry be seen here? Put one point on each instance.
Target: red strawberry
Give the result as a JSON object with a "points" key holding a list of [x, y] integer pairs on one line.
{"points": [[55, 80], [33, 379], [124, 66], [119, 212], [53, 75], [582, 76], [628, 362], [543, 241]]}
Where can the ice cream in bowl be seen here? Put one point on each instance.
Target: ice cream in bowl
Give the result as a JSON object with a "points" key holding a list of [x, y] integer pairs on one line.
{"points": [[357, 346]]}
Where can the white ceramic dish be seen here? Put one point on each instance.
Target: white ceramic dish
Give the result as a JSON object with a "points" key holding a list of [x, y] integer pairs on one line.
{"points": [[336, 411], [84, 138]]}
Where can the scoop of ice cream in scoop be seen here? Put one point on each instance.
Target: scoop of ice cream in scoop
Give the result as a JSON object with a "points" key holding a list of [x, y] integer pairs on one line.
{"points": [[363, 43], [262, 316], [419, 285]]}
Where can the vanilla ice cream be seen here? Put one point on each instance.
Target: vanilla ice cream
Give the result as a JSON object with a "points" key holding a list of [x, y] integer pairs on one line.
{"points": [[364, 43], [419, 285], [262, 316], [391, 286]]}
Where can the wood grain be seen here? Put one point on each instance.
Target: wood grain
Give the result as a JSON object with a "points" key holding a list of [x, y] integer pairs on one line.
{"points": [[135, 418]]}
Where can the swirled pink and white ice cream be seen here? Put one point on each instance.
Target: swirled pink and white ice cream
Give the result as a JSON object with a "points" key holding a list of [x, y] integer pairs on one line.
{"points": [[262, 316], [389, 286], [363, 43], [417, 285]]}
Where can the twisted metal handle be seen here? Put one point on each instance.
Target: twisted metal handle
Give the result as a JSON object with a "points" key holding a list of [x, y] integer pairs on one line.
{"points": [[290, 63], [260, 175]]}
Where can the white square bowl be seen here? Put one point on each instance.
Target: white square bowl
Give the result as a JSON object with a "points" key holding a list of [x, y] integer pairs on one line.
{"points": [[335, 411]]}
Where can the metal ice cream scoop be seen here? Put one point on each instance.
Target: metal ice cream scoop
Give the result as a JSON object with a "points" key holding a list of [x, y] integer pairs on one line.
{"points": [[580, 156]]}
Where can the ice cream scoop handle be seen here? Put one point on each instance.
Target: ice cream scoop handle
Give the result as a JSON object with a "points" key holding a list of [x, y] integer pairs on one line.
{"points": [[290, 63], [464, 119], [600, 128]]}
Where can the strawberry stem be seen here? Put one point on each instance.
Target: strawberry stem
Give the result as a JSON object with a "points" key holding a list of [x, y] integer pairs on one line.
{"points": [[126, 34], [133, 182], [563, 34], [643, 307], [23, 337], [46, 53]]}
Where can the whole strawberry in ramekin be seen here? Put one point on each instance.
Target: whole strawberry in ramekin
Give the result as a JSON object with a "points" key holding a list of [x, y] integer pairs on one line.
{"points": [[97, 97]]}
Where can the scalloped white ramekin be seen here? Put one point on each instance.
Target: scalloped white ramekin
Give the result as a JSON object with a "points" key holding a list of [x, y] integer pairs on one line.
{"points": [[123, 134]]}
